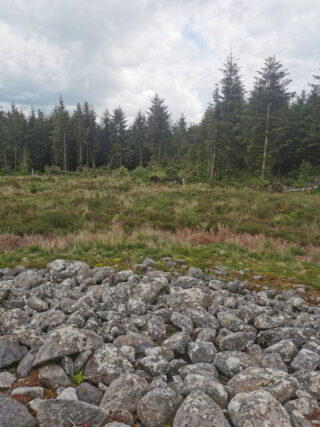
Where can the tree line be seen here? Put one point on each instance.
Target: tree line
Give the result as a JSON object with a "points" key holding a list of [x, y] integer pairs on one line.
{"points": [[268, 131]]}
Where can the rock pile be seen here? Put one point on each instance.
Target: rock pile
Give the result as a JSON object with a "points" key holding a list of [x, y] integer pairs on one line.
{"points": [[96, 347]]}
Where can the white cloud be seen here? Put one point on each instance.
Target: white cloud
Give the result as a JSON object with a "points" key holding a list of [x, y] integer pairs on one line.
{"points": [[120, 52]]}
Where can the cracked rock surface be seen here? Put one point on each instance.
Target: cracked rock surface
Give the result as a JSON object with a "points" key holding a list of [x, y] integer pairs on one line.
{"points": [[97, 347]]}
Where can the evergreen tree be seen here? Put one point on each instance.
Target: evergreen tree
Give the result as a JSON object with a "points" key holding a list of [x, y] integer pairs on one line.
{"points": [[159, 129], [119, 141], [231, 109], [268, 111], [58, 135], [139, 138]]}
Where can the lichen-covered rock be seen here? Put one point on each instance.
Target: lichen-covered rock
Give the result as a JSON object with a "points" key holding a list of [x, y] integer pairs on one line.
{"points": [[158, 407], [14, 414], [273, 361], [306, 360], [28, 392], [286, 348], [201, 352], [209, 385], [62, 413], [139, 342], [178, 342], [310, 382], [106, 365], [124, 393], [280, 384], [10, 351], [189, 298], [155, 364], [258, 408], [199, 410], [204, 369], [182, 322], [67, 341], [231, 363], [6, 379], [238, 341]]}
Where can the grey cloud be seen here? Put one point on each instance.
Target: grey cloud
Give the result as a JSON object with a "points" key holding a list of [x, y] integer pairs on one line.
{"points": [[119, 52]]}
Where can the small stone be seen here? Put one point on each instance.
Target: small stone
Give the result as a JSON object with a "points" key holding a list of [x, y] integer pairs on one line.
{"points": [[68, 394], [211, 386], [6, 379], [89, 393], [28, 392], [306, 360]]}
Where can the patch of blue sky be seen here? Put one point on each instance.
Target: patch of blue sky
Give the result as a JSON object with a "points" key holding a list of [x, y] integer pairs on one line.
{"points": [[189, 34]]}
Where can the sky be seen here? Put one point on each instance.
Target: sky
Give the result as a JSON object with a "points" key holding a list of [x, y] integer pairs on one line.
{"points": [[121, 52]]}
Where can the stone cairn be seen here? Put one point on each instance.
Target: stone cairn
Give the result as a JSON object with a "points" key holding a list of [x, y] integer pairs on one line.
{"points": [[99, 347]]}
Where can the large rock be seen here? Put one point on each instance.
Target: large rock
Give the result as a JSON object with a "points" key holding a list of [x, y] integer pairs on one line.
{"points": [[106, 365], [286, 348], [178, 342], [258, 408], [158, 407], [63, 413], [238, 341], [310, 382], [67, 341], [139, 342], [186, 298], [231, 363], [204, 369], [124, 393], [14, 414], [28, 279], [211, 386], [306, 360], [6, 379], [272, 336], [280, 384], [201, 352], [199, 410], [10, 351]]}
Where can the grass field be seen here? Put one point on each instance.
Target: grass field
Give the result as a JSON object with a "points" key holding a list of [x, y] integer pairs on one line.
{"points": [[106, 220]]}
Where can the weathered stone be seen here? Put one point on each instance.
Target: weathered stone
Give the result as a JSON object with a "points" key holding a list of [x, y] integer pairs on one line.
{"points": [[182, 321], [62, 413], [139, 342], [53, 376], [14, 414], [124, 393], [106, 365], [10, 351], [189, 298], [286, 348], [199, 410], [310, 382], [306, 360], [89, 393], [273, 361], [280, 384], [231, 363], [156, 328], [136, 307], [178, 342], [6, 379], [28, 279], [258, 408], [155, 365], [37, 304], [158, 407], [67, 341], [211, 386], [207, 334], [204, 369], [239, 341], [28, 392], [26, 363], [230, 321], [68, 394], [272, 336], [201, 352]]}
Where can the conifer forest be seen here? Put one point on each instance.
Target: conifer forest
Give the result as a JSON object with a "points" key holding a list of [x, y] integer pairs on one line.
{"points": [[268, 131]]}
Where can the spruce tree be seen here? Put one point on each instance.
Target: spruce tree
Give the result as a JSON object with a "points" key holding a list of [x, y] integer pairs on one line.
{"points": [[159, 129]]}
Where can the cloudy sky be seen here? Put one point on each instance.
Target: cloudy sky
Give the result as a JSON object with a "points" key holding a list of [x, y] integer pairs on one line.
{"points": [[120, 52]]}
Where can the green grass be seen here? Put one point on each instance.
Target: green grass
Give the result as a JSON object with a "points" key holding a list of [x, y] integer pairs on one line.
{"points": [[119, 221]]}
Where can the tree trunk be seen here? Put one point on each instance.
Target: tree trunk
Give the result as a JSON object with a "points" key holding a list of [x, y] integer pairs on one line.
{"points": [[141, 157], [265, 143], [80, 144], [64, 151]]}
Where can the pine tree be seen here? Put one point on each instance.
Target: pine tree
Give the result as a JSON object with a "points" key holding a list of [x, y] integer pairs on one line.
{"points": [[139, 138], [159, 129], [119, 140], [268, 110], [58, 135], [231, 107]]}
